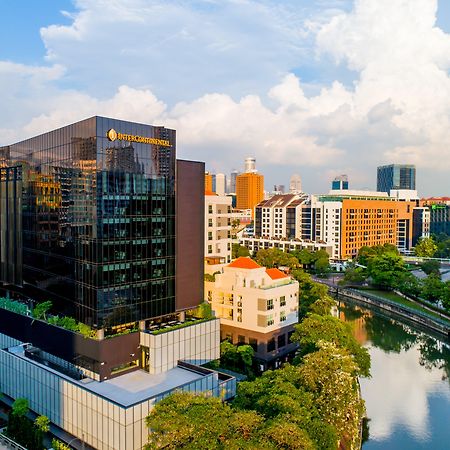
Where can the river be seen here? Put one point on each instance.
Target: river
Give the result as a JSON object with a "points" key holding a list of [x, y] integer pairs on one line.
{"points": [[408, 396]]}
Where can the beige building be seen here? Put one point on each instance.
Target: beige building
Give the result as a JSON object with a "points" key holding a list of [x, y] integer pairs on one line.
{"points": [[256, 306], [218, 217]]}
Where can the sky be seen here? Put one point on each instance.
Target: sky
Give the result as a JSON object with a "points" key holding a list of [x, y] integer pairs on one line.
{"points": [[314, 87]]}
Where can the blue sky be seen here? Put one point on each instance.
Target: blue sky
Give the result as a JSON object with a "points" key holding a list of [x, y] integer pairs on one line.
{"points": [[317, 88]]}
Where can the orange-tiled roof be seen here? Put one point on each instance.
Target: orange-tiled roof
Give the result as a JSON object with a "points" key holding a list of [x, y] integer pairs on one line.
{"points": [[210, 193], [244, 262], [275, 274]]}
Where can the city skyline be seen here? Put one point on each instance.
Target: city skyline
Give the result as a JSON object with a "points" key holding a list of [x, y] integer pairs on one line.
{"points": [[316, 94]]}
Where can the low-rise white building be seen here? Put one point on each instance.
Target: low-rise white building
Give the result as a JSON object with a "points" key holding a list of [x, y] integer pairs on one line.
{"points": [[256, 306]]}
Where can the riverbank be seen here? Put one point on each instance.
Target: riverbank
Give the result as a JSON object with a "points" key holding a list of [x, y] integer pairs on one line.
{"points": [[424, 319]]}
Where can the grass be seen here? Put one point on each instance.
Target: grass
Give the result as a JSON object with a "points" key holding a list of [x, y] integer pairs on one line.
{"points": [[403, 301]]}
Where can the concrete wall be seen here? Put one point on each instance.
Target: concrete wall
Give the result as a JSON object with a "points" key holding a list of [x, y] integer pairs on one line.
{"points": [[196, 344], [190, 230]]}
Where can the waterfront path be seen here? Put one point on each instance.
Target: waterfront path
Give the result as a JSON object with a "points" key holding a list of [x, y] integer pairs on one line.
{"points": [[433, 323]]}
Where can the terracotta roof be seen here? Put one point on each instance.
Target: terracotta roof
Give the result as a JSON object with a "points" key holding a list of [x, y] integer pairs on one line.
{"points": [[275, 274], [210, 193], [244, 262]]}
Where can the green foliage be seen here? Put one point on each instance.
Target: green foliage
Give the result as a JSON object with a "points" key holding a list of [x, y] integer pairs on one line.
{"points": [[431, 266], [426, 247], [237, 358], [13, 306], [239, 250], [432, 288], [203, 311], [385, 269], [69, 323], [354, 275], [178, 326], [42, 423], [41, 309], [443, 245], [22, 430], [20, 407], [365, 254], [184, 420], [329, 375], [316, 329], [274, 257], [309, 292], [58, 445], [209, 277]]}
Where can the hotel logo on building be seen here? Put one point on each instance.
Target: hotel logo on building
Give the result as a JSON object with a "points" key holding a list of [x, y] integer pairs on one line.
{"points": [[113, 135]]}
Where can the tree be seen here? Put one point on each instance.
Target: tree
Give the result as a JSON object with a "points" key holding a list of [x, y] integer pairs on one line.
{"points": [[237, 358], [432, 288], [239, 250], [280, 397], [185, 420], [354, 275], [41, 309], [274, 257], [328, 375], [426, 248], [385, 269], [316, 329], [42, 423], [431, 266], [309, 292]]}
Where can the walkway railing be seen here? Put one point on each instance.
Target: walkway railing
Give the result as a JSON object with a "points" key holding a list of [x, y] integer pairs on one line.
{"points": [[420, 317], [10, 444]]}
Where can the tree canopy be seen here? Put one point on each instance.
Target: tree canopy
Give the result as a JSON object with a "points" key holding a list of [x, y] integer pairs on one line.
{"points": [[426, 247]]}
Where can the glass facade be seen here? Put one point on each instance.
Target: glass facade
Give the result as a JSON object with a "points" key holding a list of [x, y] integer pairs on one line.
{"points": [[396, 176], [97, 232]]}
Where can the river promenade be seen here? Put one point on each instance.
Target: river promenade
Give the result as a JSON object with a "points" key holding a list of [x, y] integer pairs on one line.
{"points": [[423, 319]]}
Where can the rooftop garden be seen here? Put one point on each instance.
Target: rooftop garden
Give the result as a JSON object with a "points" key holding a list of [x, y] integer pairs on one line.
{"points": [[202, 313]]}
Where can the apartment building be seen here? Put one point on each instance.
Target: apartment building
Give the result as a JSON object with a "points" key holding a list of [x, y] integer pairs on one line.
{"points": [[256, 306], [218, 218]]}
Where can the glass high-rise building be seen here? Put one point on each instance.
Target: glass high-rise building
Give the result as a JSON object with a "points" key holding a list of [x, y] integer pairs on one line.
{"points": [[396, 176], [87, 220]]}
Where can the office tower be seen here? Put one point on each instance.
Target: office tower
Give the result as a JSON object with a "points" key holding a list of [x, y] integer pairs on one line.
{"points": [[221, 183], [278, 189], [439, 209], [250, 164], [340, 183], [295, 184], [102, 220], [208, 182], [218, 218], [347, 221], [234, 174], [249, 186], [396, 176]]}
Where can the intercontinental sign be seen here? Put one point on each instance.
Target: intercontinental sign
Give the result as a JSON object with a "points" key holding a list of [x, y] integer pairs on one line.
{"points": [[113, 135]]}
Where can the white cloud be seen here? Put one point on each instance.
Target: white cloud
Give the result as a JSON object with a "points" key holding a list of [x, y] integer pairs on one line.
{"points": [[218, 72]]}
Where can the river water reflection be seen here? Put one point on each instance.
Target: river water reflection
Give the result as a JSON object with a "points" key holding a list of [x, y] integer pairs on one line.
{"points": [[408, 396]]}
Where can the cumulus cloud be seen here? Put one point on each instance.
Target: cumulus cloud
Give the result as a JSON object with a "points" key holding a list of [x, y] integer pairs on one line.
{"points": [[218, 72]]}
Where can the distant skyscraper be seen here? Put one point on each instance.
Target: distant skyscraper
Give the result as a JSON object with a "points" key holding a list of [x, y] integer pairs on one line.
{"points": [[295, 184], [396, 176], [221, 183], [278, 189], [249, 186], [250, 164], [208, 182], [340, 183], [234, 174]]}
